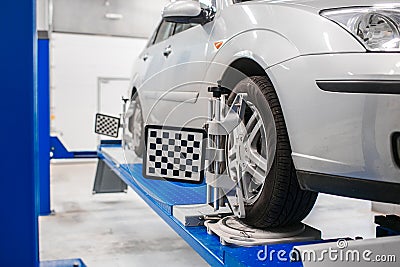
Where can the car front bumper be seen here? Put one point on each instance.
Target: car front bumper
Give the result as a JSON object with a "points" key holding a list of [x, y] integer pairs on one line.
{"points": [[341, 112]]}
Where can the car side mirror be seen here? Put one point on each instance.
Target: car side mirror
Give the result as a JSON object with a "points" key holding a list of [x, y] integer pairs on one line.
{"points": [[187, 11]]}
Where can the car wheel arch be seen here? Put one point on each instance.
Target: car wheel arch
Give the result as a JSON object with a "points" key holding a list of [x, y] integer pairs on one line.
{"points": [[240, 69], [243, 68]]}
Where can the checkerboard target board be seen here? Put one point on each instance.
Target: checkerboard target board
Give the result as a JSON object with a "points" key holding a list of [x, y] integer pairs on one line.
{"points": [[107, 125], [174, 153]]}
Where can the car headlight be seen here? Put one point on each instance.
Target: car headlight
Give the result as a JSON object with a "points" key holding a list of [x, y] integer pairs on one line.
{"points": [[377, 28]]}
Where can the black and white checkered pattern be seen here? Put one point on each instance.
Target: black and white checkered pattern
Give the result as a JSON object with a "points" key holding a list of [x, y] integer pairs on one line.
{"points": [[174, 153], [107, 125]]}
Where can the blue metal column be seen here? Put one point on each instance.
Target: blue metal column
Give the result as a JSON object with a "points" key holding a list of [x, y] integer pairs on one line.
{"points": [[18, 135], [43, 115]]}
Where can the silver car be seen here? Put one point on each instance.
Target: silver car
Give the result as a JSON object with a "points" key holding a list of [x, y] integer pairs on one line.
{"points": [[323, 80]]}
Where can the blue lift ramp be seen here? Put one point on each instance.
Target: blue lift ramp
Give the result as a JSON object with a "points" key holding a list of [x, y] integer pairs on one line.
{"points": [[163, 195]]}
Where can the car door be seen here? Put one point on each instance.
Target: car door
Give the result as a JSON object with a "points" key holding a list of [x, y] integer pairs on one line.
{"points": [[182, 98], [151, 65]]}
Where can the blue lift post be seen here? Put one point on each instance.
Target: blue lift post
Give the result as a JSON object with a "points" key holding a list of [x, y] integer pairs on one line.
{"points": [[43, 102], [18, 138], [20, 170]]}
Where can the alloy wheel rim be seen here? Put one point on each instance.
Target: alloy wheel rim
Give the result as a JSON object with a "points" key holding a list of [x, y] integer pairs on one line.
{"points": [[247, 154], [137, 128]]}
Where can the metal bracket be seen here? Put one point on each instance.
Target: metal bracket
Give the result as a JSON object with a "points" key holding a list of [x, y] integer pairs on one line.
{"points": [[219, 126], [197, 214], [231, 120]]}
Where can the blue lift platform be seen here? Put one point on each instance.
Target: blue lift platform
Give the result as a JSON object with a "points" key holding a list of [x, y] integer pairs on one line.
{"points": [[163, 195]]}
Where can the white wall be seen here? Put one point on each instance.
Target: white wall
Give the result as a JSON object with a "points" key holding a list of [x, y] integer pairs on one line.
{"points": [[137, 18], [76, 63]]}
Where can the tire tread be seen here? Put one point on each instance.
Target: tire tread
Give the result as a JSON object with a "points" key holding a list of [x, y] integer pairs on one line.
{"points": [[287, 204]]}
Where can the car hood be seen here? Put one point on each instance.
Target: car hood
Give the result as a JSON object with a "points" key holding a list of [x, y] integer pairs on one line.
{"points": [[318, 5]]}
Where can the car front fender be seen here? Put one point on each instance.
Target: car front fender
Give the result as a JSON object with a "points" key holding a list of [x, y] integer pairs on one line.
{"points": [[265, 47]]}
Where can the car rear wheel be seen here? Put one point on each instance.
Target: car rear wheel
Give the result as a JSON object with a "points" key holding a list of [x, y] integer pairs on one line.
{"points": [[136, 127], [259, 152]]}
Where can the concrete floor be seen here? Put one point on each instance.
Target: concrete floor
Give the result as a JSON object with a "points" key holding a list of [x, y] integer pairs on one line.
{"points": [[121, 230]]}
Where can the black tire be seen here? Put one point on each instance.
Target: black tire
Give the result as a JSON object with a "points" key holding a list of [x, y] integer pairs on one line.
{"points": [[281, 201], [139, 148]]}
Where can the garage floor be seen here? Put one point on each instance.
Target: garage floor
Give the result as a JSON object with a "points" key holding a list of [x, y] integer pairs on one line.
{"points": [[121, 230]]}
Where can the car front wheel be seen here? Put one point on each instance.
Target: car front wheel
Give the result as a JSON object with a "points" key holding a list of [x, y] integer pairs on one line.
{"points": [[259, 156]]}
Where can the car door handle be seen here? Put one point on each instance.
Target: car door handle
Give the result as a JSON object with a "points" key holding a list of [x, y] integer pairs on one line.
{"points": [[167, 51], [145, 57]]}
